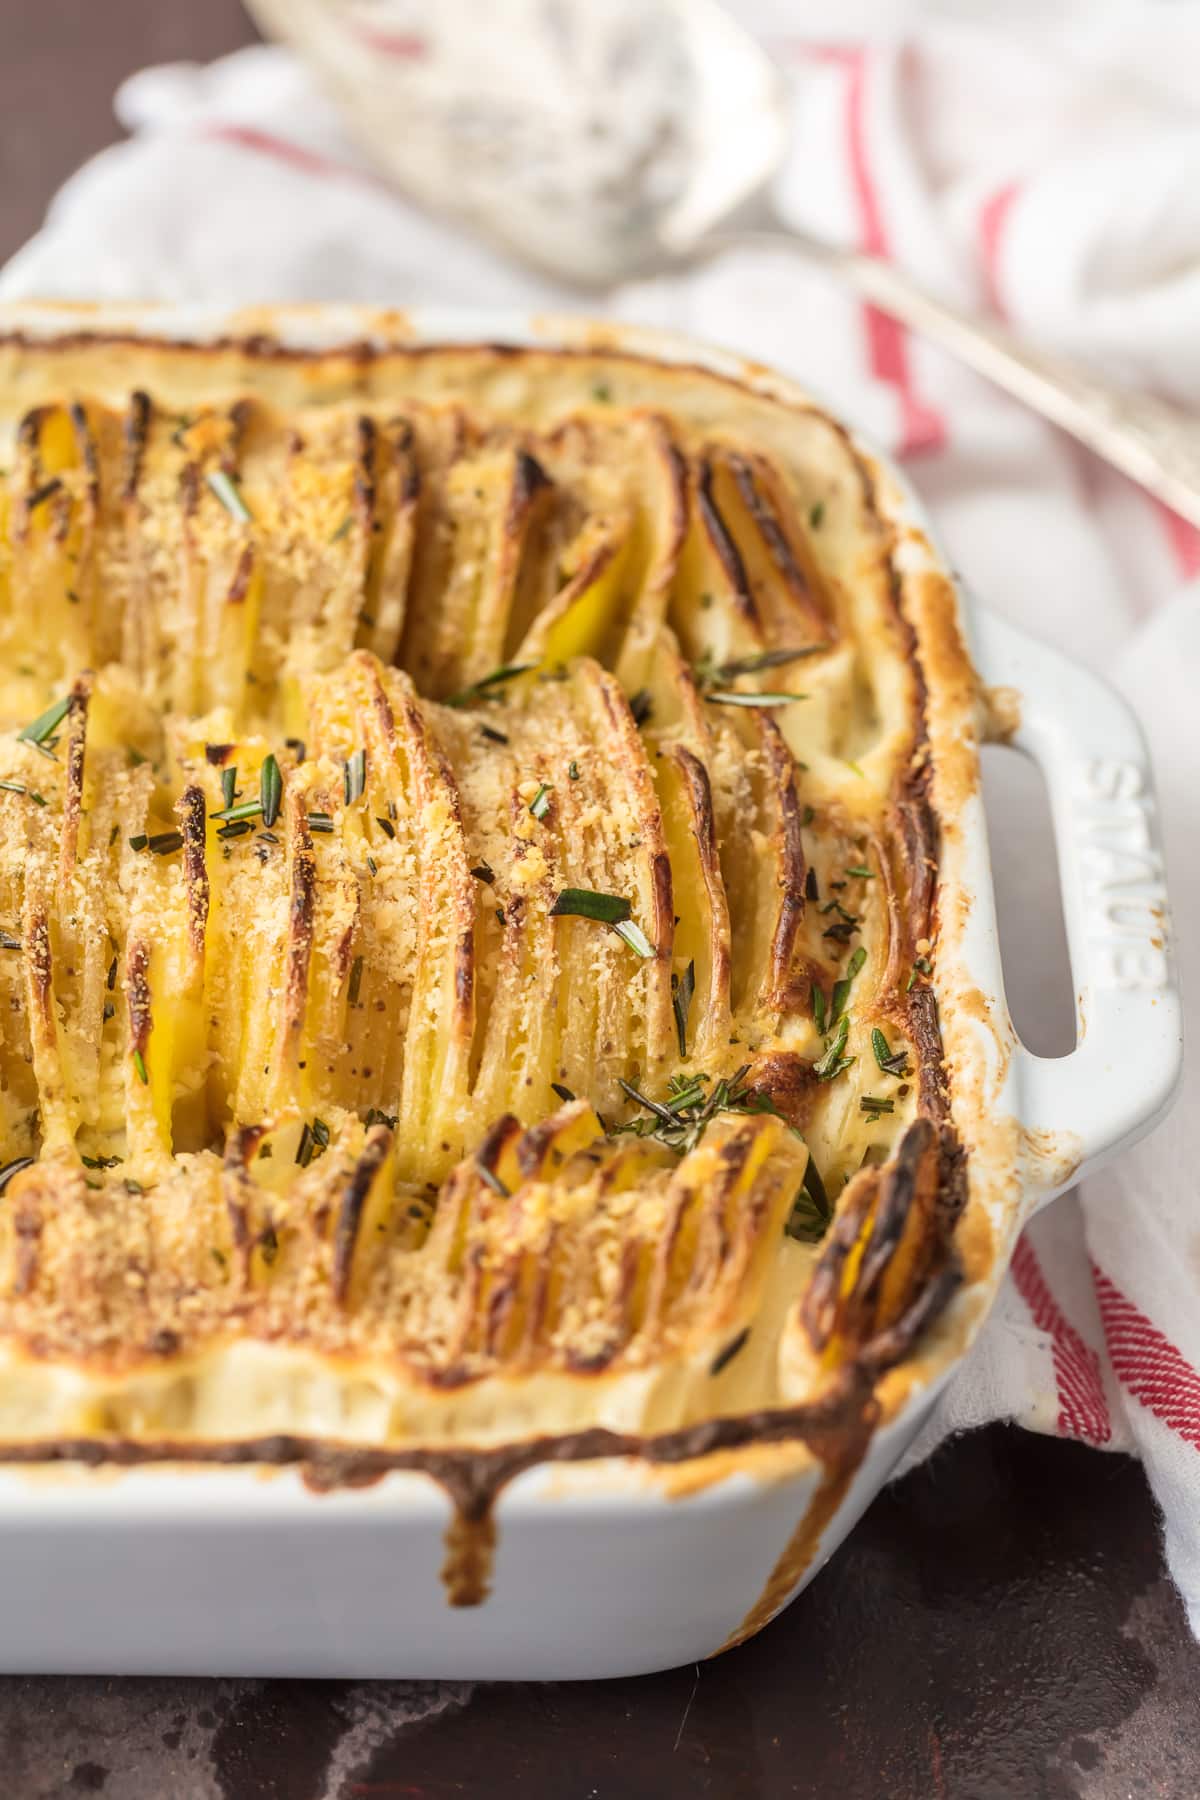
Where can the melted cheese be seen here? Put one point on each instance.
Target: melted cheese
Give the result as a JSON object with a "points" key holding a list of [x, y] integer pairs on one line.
{"points": [[328, 1090]]}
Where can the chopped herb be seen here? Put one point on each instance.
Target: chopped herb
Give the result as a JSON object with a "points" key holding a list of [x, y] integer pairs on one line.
{"points": [[165, 843], [500, 917], [807, 816], [842, 931], [606, 909], [139, 1063], [72, 596], [245, 809], [564, 1093], [683, 987], [236, 828], [228, 787], [309, 1144], [641, 706], [811, 1211], [860, 872], [354, 777], [319, 821], [342, 529], [100, 1162], [856, 768], [582, 903], [835, 1058], [372, 865], [539, 806], [602, 393], [299, 746], [108, 1012], [135, 1187], [8, 941], [666, 1113], [492, 735], [484, 872], [573, 771], [724, 1357], [13, 787], [491, 1178], [139, 842], [872, 1105], [39, 729], [14, 1168], [110, 980], [816, 515], [482, 689], [766, 659], [818, 1007], [921, 966], [385, 825], [226, 490], [841, 989], [136, 759], [268, 1245], [892, 1062], [356, 969], [741, 699], [635, 937], [320, 1132], [811, 890], [376, 1117], [270, 790]]}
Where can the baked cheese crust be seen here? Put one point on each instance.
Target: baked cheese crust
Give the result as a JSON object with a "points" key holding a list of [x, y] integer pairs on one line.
{"points": [[466, 901]]}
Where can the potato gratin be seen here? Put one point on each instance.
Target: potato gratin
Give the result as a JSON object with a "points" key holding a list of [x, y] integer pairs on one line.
{"points": [[466, 903]]}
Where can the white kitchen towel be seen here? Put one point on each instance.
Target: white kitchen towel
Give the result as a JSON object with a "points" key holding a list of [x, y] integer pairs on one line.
{"points": [[1038, 160]]}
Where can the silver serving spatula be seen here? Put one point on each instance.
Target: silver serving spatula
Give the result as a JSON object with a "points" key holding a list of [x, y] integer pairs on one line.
{"points": [[605, 140]]}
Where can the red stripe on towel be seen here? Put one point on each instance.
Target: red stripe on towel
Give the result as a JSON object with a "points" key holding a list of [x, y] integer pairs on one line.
{"points": [[993, 217], [309, 162], [1184, 540], [1082, 1407], [408, 46], [1147, 1363]]}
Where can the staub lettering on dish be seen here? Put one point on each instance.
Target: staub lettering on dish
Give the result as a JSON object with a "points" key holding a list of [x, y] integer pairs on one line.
{"points": [[1124, 893]]}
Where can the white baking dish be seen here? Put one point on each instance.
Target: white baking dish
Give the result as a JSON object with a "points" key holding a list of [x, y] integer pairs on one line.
{"points": [[623, 1565]]}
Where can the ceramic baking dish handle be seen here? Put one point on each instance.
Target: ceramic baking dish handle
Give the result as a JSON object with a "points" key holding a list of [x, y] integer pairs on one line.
{"points": [[1120, 1078]]}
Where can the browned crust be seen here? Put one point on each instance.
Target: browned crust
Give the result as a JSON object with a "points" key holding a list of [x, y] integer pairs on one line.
{"points": [[137, 985], [724, 548], [191, 813], [790, 860], [345, 1234], [301, 915], [137, 433], [454, 1468], [748, 473], [73, 789]]}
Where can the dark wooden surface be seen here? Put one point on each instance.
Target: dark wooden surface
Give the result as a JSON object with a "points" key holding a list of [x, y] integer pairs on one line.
{"points": [[999, 1628]]}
